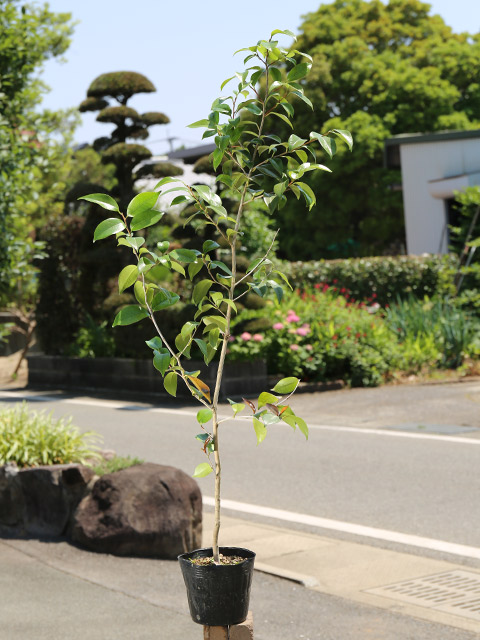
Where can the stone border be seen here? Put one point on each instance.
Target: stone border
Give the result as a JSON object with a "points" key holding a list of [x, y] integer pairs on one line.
{"points": [[139, 376]]}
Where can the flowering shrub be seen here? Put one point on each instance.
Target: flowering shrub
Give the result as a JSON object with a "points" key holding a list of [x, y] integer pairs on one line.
{"points": [[321, 335]]}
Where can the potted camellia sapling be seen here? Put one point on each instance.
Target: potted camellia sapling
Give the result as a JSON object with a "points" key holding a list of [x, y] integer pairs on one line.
{"points": [[256, 165]]}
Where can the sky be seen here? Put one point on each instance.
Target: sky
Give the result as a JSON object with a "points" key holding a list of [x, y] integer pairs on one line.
{"points": [[184, 47]]}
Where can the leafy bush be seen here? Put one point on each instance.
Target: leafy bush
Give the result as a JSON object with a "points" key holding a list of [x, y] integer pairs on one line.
{"points": [[31, 438], [433, 333], [319, 335], [385, 277], [93, 340]]}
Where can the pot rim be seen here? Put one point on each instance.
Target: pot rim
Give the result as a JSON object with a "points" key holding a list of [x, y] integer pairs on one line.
{"points": [[204, 552]]}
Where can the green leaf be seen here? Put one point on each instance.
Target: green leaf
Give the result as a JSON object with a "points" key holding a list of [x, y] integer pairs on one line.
{"points": [[184, 255], [155, 343], [294, 142], [286, 386], [200, 290], [327, 143], [108, 227], [209, 245], [265, 398], [225, 82], [161, 360], [217, 158], [282, 117], [202, 470], [207, 194], [220, 265], [285, 32], [133, 243], [204, 415], [345, 135], [164, 299], [302, 425], [197, 124], [170, 383], [260, 430], [299, 71], [300, 95], [129, 315], [127, 277], [145, 219], [194, 268], [103, 200], [214, 321], [307, 194], [166, 180], [142, 202]]}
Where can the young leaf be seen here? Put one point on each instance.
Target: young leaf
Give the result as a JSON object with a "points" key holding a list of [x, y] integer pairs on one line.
{"points": [[108, 227], [265, 398], [202, 470], [129, 315], [133, 243], [127, 277], [170, 383], [260, 430], [103, 200], [302, 425], [194, 268], [286, 386], [204, 415], [142, 202], [197, 124]]}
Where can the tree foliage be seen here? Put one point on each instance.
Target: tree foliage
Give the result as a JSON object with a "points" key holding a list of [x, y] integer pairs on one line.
{"points": [[380, 69], [30, 35]]}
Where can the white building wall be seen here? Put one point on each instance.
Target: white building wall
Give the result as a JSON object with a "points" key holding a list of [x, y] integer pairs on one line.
{"points": [[423, 162]]}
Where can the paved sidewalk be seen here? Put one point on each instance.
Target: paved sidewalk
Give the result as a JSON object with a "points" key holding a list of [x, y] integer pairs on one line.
{"points": [[55, 591]]}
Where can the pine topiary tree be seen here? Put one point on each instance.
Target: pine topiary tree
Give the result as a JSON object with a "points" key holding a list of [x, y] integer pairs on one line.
{"points": [[120, 86]]}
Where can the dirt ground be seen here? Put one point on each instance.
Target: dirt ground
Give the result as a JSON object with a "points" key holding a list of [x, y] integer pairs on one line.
{"points": [[7, 367]]}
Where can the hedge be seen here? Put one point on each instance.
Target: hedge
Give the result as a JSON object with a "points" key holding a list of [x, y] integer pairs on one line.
{"points": [[381, 278]]}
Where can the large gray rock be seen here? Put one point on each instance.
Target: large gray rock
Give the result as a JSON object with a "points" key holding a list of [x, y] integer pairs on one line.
{"points": [[147, 510], [40, 501]]}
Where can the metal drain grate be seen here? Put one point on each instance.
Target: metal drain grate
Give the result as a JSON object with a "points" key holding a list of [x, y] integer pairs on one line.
{"points": [[455, 592]]}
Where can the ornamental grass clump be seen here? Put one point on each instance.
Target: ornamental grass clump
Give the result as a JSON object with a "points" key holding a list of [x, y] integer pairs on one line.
{"points": [[31, 438], [257, 166]]}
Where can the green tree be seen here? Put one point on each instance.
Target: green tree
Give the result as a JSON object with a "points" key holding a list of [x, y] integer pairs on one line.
{"points": [[30, 35], [120, 86], [380, 69]]}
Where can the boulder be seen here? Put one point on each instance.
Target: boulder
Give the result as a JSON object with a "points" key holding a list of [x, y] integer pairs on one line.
{"points": [[40, 501], [147, 510]]}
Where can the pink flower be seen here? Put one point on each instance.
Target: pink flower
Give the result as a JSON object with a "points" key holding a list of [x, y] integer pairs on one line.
{"points": [[292, 317], [246, 336], [308, 347], [231, 339], [294, 347], [278, 326], [303, 331], [257, 337]]}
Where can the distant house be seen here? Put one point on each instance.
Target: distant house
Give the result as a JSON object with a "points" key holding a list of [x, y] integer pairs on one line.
{"points": [[433, 167]]}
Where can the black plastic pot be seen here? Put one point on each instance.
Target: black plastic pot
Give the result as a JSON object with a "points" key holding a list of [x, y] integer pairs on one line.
{"points": [[218, 595]]}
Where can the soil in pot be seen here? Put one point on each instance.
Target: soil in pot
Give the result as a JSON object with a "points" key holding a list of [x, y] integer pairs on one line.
{"points": [[218, 594]]}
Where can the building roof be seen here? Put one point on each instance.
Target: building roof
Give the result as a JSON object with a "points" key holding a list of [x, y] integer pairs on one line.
{"points": [[190, 156], [392, 145]]}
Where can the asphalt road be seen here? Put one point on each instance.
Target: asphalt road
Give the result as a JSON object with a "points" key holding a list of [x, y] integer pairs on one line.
{"points": [[412, 481]]}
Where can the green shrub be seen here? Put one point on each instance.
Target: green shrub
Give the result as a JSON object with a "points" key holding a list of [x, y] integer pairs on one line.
{"points": [[93, 340], [433, 333], [31, 438], [382, 279], [319, 335]]}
